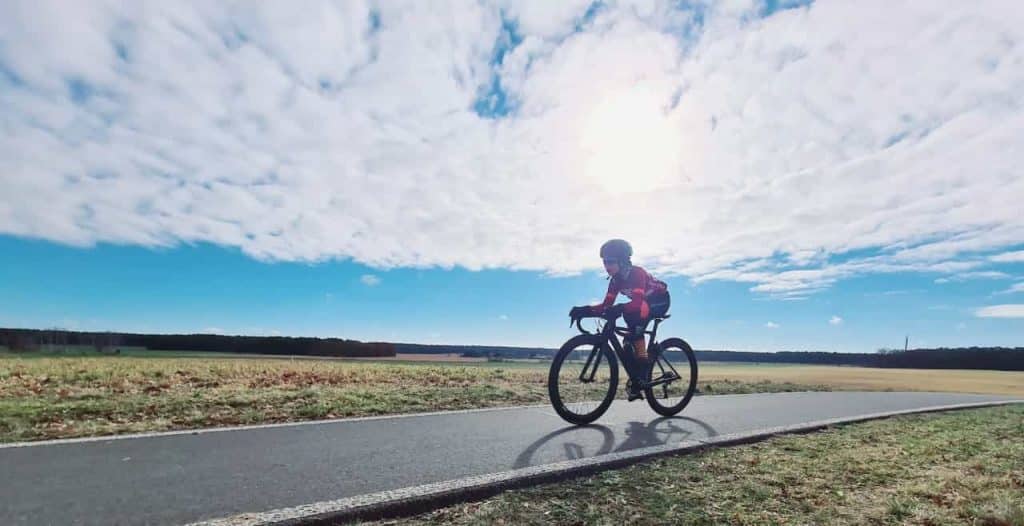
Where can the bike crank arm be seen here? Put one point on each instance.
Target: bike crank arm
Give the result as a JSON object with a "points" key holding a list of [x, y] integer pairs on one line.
{"points": [[664, 379]]}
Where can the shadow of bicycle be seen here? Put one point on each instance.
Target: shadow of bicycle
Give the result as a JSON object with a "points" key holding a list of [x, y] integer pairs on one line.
{"points": [[576, 442]]}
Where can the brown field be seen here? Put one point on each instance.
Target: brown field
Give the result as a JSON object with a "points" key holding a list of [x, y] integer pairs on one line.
{"points": [[406, 357], [57, 397], [871, 379]]}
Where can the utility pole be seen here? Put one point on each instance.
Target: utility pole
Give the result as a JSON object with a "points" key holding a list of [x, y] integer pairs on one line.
{"points": [[906, 343]]}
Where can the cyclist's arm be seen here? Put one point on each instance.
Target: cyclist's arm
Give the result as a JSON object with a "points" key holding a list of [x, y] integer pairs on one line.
{"points": [[635, 288], [609, 299]]}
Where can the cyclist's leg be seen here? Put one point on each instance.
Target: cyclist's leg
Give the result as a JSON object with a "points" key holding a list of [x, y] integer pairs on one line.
{"points": [[659, 304], [636, 323]]}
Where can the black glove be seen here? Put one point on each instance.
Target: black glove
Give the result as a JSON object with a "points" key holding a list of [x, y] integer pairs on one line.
{"points": [[577, 313], [614, 311]]}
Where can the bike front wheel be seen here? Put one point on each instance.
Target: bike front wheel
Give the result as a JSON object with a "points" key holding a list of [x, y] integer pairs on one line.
{"points": [[583, 378], [674, 375]]}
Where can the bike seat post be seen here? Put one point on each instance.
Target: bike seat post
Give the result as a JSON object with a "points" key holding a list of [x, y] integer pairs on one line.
{"points": [[654, 331]]}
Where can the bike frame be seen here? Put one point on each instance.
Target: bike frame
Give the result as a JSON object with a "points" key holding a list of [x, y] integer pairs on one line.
{"points": [[608, 333]]}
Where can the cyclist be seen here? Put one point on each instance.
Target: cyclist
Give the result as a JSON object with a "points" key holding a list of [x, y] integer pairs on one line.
{"points": [[648, 297]]}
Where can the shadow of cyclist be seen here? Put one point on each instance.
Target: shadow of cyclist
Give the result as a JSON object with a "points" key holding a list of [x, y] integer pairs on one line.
{"points": [[665, 430], [576, 442]]}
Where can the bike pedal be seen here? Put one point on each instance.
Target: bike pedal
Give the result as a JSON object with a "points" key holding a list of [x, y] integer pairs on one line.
{"points": [[635, 396]]}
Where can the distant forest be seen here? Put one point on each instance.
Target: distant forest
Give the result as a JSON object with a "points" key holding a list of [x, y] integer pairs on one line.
{"points": [[29, 340], [994, 358]]}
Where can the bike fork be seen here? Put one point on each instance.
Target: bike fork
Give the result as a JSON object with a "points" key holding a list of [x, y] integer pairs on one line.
{"points": [[591, 359]]}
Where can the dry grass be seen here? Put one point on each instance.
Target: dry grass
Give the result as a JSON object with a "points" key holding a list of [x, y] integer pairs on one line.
{"points": [[960, 468], [51, 397], [413, 357], [42, 398], [66, 397], [871, 379]]}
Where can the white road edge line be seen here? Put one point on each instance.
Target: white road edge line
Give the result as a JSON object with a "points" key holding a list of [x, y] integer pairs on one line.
{"points": [[381, 500]]}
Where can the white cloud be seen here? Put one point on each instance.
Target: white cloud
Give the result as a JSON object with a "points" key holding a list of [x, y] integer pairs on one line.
{"points": [[835, 320], [212, 330], [782, 145], [966, 276], [1016, 287], [370, 280], [1009, 257], [988, 274], [503, 317], [771, 325], [1011, 310]]}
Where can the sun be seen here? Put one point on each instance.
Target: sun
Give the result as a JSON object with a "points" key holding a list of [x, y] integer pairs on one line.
{"points": [[630, 143]]}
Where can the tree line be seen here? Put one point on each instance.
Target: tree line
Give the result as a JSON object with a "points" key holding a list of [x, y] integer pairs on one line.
{"points": [[992, 358], [33, 339]]}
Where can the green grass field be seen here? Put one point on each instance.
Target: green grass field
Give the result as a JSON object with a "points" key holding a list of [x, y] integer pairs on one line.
{"points": [[957, 468]]}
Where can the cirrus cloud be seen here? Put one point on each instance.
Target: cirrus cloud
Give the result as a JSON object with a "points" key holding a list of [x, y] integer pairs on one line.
{"points": [[787, 151], [1009, 257], [1016, 287], [1010, 310]]}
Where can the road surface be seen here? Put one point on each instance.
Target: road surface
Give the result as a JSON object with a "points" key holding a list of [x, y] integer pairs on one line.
{"points": [[182, 478]]}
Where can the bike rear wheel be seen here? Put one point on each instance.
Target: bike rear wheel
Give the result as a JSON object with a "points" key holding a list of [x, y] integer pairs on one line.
{"points": [[583, 378], [677, 374]]}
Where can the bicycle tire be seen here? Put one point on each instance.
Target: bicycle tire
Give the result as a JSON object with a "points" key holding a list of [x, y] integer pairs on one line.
{"points": [[657, 404], [571, 411]]}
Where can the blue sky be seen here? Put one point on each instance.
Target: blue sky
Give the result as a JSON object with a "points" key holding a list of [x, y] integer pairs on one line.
{"points": [[203, 288], [400, 171]]}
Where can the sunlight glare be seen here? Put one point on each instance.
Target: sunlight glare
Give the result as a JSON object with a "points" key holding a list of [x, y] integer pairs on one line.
{"points": [[630, 143]]}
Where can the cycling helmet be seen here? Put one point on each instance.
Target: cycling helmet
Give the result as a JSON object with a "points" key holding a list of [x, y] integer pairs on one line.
{"points": [[616, 249]]}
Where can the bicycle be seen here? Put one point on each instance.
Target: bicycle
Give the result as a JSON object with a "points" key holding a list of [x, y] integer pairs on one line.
{"points": [[581, 390]]}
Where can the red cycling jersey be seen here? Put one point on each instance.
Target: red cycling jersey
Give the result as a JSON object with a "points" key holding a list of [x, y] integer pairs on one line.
{"points": [[637, 285]]}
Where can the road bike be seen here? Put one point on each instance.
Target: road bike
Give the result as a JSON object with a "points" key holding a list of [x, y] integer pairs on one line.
{"points": [[584, 375]]}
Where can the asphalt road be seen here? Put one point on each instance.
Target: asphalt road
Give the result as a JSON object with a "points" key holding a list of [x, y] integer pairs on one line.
{"points": [[176, 479]]}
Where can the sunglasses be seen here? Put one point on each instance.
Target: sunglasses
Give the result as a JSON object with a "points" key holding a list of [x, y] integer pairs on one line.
{"points": [[610, 261]]}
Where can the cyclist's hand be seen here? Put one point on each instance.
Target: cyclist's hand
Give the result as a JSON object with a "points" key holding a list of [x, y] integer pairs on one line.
{"points": [[614, 311], [577, 313]]}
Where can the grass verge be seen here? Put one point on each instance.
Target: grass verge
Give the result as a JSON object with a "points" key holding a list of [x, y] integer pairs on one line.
{"points": [[45, 398], [963, 467]]}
